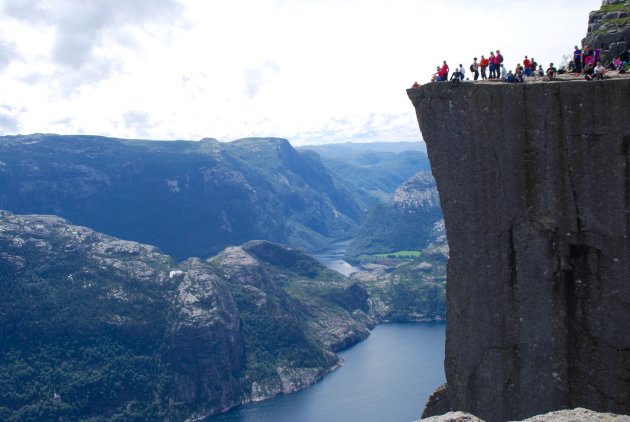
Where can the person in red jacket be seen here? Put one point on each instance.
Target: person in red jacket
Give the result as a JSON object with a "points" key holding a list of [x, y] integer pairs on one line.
{"points": [[445, 70], [498, 61], [493, 65], [483, 64], [526, 67]]}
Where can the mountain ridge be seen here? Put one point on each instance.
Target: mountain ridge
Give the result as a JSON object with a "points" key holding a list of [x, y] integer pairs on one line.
{"points": [[188, 198]]}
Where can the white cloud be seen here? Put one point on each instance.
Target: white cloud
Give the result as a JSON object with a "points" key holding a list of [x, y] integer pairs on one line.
{"points": [[311, 71]]}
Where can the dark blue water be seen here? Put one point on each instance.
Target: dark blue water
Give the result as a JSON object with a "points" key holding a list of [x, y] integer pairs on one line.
{"points": [[387, 377]]}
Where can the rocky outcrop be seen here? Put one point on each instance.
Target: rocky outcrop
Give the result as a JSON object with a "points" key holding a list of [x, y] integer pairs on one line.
{"points": [[573, 415], [609, 28], [534, 182]]}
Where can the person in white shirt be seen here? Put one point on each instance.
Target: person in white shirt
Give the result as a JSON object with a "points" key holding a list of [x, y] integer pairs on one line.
{"points": [[600, 71], [462, 71], [474, 68], [503, 72]]}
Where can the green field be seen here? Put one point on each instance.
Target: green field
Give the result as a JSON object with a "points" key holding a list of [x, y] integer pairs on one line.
{"points": [[390, 255]]}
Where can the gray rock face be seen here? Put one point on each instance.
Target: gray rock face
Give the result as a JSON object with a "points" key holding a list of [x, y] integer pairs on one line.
{"points": [[573, 415], [534, 181], [608, 29]]}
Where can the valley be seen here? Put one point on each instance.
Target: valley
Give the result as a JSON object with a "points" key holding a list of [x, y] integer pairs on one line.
{"points": [[250, 321]]}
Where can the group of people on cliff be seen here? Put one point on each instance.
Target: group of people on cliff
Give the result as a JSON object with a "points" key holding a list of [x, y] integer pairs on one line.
{"points": [[587, 62], [492, 68], [493, 64]]}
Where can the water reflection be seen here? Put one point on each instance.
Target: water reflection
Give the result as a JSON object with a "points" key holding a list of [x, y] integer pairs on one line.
{"points": [[333, 258]]}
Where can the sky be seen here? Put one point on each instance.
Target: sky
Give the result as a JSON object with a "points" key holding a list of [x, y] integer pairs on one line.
{"points": [[310, 71]]}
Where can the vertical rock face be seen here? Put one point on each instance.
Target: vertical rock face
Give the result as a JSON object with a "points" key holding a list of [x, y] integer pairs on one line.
{"points": [[534, 181]]}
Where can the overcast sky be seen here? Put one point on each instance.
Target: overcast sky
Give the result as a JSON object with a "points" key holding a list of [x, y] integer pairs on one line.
{"points": [[311, 71]]}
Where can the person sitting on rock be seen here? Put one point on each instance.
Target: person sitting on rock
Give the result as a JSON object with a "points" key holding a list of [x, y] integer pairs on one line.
{"points": [[615, 64], [540, 72], [589, 72], [456, 76], [551, 72], [437, 76], [509, 77], [518, 73], [415, 85], [533, 66], [600, 71]]}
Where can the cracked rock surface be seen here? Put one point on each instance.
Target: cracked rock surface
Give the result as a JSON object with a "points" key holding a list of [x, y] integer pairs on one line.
{"points": [[534, 182]]}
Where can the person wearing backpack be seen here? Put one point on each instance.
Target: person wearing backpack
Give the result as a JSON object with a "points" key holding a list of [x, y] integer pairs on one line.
{"points": [[474, 69]]}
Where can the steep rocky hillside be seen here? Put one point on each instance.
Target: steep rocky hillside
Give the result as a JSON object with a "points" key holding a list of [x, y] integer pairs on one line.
{"points": [[187, 198], [406, 222], [609, 28], [411, 290], [94, 326]]}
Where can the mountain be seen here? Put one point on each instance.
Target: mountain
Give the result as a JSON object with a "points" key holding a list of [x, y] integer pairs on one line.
{"points": [[373, 171], [98, 328], [187, 198], [406, 223]]}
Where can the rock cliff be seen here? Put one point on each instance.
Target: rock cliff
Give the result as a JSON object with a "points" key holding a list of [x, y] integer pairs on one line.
{"points": [[534, 182], [609, 28]]}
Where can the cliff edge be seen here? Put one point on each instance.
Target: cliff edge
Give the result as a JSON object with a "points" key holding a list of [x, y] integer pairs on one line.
{"points": [[534, 182]]}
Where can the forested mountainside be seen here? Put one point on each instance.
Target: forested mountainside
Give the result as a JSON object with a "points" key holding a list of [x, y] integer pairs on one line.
{"points": [[187, 198], [410, 220], [97, 327]]}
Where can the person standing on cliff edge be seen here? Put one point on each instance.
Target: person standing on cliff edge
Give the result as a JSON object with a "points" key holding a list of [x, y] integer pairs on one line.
{"points": [[474, 68], [445, 71], [577, 59], [484, 65]]}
